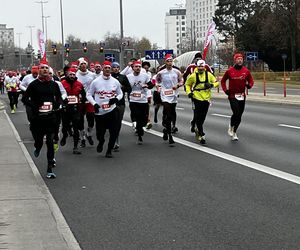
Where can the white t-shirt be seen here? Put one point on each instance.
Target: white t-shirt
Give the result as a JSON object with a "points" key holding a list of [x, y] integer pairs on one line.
{"points": [[167, 79], [26, 81], [139, 92], [101, 90], [85, 78]]}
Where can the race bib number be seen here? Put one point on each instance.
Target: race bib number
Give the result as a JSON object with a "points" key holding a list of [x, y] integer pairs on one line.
{"points": [[136, 95], [72, 99], [46, 107], [239, 97], [168, 92], [105, 106]]}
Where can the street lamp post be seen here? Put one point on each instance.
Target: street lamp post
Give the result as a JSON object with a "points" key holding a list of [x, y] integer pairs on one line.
{"points": [[46, 28], [31, 27], [20, 56], [62, 34], [42, 8], [121, 36]]}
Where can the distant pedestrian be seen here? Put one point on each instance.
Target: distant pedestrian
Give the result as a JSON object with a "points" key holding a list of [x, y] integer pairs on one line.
{"points": [[239, 78]]}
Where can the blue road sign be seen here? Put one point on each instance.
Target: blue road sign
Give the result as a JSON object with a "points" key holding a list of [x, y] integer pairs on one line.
{"points": [[110, 57], [157, 54], [251, 56]]}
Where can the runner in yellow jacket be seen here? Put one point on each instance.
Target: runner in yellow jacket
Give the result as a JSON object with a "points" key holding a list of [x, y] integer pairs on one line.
{"points": [[198, 88]]}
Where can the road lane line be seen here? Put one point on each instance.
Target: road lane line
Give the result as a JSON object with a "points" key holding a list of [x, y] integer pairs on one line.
{"points": [[220, 115], [179, 108], [228, 157], [288, 126]]}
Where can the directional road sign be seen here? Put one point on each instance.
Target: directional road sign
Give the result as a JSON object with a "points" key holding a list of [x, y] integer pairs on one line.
{"points": [[251, 56], [110, 57], [157, 54]]}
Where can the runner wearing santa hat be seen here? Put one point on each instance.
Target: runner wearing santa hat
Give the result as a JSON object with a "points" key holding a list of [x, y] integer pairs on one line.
{"points": [[11, 83], [44, 97], [239, 78], [86, 77], [140, 83], [98, 69], [169, 79], [104, 92], [71, 113]]}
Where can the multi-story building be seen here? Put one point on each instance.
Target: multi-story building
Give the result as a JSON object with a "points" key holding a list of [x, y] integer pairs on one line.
{"points": [[6, 36], [175, 29], [200, 14]]}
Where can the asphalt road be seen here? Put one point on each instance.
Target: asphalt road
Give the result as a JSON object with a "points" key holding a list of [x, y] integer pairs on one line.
{"points": [[185, 197]]}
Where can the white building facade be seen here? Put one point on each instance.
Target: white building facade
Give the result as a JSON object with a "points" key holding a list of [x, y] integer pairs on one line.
{"points": [[175, 29], [200, 14], [6, 36]]}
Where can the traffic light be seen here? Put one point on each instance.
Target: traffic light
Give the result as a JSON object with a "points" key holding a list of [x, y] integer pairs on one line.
{"points": [[39, 56], [54, 49], [101, 49], [67, 50], [85, 49]]}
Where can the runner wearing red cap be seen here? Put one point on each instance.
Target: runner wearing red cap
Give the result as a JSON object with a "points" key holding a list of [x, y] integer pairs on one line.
{"points": [[239, 78]]}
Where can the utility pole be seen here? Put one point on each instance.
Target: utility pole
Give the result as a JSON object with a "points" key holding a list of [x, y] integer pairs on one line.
{"points": [[42, 8], [20, 56], [121, 36], [31, 27], [46, 28], [62, 35]]}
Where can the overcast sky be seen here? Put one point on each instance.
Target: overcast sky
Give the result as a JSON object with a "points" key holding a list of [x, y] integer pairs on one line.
{"points": [[87, 19]]}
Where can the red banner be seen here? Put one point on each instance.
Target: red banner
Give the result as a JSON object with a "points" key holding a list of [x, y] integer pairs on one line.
{"points": [[42, 45], [208, 37]]}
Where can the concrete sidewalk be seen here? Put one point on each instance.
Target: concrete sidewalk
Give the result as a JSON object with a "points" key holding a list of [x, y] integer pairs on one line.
{"points": [[29, 216]]}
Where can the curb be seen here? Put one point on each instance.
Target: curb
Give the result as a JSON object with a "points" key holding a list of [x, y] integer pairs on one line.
{"points": [[62, 226]]}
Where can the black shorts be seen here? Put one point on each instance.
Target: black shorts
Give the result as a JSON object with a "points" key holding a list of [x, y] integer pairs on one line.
{"points": [[156, 98]]}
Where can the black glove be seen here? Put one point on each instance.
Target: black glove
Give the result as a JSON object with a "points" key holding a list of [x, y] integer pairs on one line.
{"points": [[248, 86], [190, 95], [65, 101], [113, 100], [227, 92], [96, 107], [208, 85]]}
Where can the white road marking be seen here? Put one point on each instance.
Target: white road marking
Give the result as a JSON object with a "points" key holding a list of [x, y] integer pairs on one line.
{"points": [[179, 108], [288, 126], [228, 157], [220, 115]]}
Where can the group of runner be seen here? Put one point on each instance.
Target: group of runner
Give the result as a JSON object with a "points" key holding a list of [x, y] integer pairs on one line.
{"points": [[98, 95]]}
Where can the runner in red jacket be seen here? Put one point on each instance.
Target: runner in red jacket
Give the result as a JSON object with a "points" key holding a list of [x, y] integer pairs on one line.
{"points": [[239, 78]]}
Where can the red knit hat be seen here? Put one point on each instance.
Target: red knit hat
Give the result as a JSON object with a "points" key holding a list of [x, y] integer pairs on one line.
{"points": [[97, 63], [237, 55]]}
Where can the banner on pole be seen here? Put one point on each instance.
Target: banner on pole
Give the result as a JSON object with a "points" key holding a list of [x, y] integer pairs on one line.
{"points": [[208, 38], [42, 45]]}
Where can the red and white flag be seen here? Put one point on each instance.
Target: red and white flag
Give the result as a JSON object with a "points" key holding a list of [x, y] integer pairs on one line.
{"points": [[42, 45], [208, 38]]}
